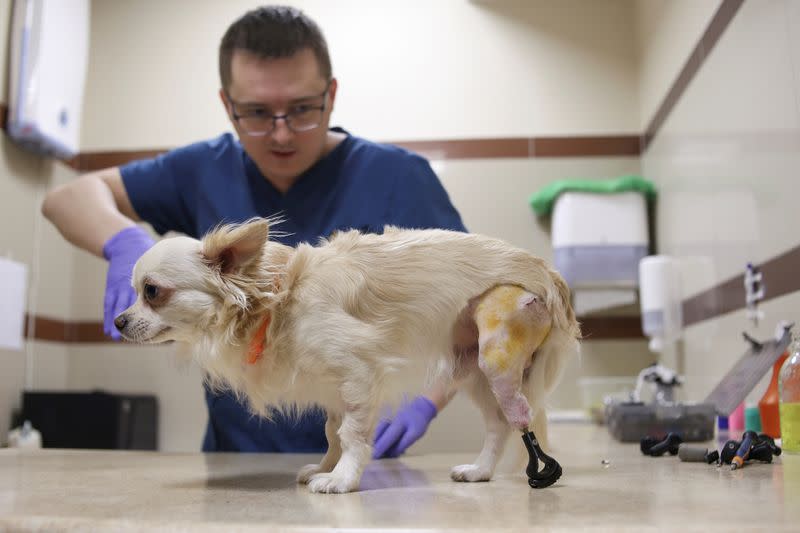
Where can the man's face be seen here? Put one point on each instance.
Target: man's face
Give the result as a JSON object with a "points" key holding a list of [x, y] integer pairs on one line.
{"points": [[277, 87]]}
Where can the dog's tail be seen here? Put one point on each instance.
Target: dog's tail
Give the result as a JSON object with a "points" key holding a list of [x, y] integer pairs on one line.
{"points": [[559, 302]]}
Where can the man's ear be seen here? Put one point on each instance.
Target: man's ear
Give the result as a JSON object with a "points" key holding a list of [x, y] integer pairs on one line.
{"points": [[233, 247], [332, 93]]}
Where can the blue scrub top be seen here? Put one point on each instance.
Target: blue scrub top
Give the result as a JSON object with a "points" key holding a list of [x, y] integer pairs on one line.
{"points": [[358, 185]]}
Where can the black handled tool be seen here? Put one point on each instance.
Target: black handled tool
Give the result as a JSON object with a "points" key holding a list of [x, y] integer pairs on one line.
{"points": [[654, 447], [762, 448]]}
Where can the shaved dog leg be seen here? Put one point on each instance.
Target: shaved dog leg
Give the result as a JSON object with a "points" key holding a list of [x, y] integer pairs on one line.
{"points": [[512, 324]]}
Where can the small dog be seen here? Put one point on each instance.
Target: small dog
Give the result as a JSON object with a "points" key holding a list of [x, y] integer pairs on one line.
{"points": [[333, 325]]}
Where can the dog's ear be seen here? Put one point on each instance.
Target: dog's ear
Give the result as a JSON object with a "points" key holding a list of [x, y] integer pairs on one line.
{"points": [[231, 248]]}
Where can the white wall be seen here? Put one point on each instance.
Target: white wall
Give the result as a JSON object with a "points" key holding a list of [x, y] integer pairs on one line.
{"points": [[407, 70], [666, 33], [727, 164], [27, 238]]}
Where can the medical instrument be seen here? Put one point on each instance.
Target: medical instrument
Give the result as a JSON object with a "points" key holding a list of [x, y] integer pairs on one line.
{"points": [[761, 447], [743, 452]]}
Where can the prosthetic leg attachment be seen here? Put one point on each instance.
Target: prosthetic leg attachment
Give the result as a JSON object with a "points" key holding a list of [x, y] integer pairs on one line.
{"points": [[551, 470]]}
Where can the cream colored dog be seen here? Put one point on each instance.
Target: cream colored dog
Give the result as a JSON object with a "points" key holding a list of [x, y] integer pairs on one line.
{"points": [[334, 325]]}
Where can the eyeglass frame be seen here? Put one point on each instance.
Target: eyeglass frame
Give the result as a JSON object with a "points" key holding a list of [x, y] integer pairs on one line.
{"points": [[286, 117]]}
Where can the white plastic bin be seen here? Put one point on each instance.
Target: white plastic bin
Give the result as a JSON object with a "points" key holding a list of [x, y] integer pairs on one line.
{"points": [[599, 239]]}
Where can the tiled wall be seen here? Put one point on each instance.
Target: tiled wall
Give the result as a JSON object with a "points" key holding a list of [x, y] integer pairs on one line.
{"points": [[27, 238], [727, 162]]}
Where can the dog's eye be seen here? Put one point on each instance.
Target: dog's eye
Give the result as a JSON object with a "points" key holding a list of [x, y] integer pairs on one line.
{"points": [[150, 292]]}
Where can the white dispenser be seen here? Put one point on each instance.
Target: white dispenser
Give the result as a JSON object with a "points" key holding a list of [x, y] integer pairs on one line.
{"points": [[660, 297], [48, 60], [598, 240]]}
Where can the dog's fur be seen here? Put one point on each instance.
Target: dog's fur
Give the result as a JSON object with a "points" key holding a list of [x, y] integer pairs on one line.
{"points": [[346, 316]]}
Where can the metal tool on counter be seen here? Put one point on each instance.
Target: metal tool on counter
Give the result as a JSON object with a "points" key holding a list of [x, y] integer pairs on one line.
{"points": [[749, 369]]}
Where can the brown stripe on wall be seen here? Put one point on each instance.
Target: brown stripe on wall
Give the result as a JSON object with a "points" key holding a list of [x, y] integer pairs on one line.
{"points": [[469, 148], [48, 329], [512, 147], [719, 23], [611, 327], [91, 161], [780, 277], [586, 146], [51, 329]]}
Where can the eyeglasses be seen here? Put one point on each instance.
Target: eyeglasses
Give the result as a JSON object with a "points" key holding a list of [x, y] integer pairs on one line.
{"points": [[257, 121]]}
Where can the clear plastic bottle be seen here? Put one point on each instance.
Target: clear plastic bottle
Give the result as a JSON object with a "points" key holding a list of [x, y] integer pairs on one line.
{"points": [[789, 392]]}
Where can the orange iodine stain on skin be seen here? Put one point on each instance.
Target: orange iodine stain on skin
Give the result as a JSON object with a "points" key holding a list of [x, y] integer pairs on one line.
{"points": [[496, 306], [511, 339]]}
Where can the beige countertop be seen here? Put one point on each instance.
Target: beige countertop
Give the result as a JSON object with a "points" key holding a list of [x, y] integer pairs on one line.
{"points": [[59, 490]]}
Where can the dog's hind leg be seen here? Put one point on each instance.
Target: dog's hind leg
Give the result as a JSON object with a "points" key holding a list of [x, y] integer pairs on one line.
{"points": [[497, 431], [332, 455], [512, 324]]}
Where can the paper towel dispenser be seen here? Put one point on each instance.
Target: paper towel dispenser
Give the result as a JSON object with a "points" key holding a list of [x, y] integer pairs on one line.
{"points": [[49, 52], [598, 240]]}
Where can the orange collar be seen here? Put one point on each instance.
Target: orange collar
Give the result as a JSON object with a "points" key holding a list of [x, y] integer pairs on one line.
{"points": [[256, 347]]}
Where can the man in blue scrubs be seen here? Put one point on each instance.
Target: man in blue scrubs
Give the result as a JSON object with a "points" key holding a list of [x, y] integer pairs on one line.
{"points": [[278, 91]]}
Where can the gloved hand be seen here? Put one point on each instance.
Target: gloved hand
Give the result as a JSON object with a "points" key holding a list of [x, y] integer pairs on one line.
{"points": [[393, 437], [122, 250]]}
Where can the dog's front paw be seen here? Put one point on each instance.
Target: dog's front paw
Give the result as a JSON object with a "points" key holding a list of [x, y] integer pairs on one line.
{"points": [[305, 473], [332, 483], [470, 473]]}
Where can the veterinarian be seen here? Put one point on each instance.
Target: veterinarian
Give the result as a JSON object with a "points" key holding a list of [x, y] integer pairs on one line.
{"points": [[278, 91]]}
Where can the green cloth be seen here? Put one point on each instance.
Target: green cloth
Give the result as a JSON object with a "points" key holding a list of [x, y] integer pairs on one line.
{"points": [[542, 201]]}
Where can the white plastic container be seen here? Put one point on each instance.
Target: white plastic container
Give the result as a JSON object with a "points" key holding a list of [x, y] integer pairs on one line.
{"points": [[49, 54], [660, 299], [598, 239]]}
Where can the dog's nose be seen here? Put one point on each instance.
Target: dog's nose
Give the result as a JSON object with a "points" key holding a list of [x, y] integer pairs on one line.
{"points": [[121, 321]]}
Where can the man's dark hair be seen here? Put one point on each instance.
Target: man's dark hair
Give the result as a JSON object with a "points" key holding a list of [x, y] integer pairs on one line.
{"points": [[273, 32]]}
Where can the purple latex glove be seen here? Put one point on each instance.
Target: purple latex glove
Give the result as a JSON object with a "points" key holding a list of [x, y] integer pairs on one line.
{"points": [[393, 437], [122, 250]]}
